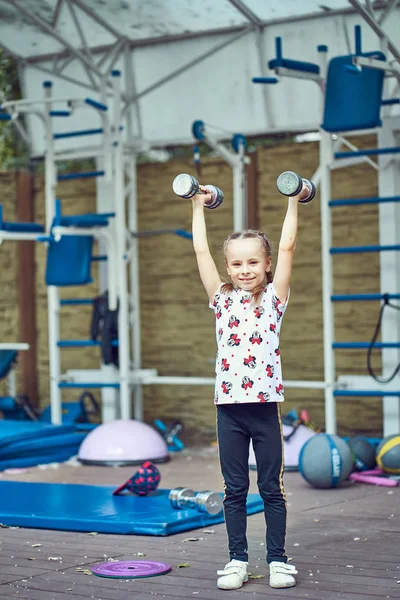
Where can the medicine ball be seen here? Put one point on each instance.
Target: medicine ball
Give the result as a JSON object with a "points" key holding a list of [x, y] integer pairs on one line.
{"points": [[364, 453], [388, 454], [325, 461]]}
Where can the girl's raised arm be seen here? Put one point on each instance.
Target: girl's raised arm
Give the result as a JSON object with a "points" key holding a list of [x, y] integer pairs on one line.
{"points": [[208, 271], [287, 246]]}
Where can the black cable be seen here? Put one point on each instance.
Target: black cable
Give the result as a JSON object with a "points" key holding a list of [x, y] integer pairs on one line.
{"points": [[376, 333]]}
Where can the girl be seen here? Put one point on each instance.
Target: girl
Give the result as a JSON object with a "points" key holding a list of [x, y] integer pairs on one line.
{"points": [[248, 388]]}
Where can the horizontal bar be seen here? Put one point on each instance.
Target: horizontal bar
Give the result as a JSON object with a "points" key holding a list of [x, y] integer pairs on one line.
{"points": [[75, 301], [370, 152], [96, 104], [91, 385], [77, 133], [100, 258], [82, 343], [77, 343], [167, 380], [354, 345], [161, 380], [64, 177], [376, 393], [153, 232], [16, 346], [390, 101], [357, 297], [355, 249], [265, 80], [20, 236], [352, 201], [5, 117], [183, 233], [59, 113], [308, 385]]}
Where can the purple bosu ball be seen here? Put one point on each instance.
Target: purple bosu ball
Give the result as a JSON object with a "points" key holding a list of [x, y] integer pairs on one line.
{"points": [[123, 442]]}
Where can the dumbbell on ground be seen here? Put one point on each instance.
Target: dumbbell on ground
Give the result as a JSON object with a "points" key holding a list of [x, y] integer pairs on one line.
{"points": [[186, 186], [205, 502], [290, 183]]}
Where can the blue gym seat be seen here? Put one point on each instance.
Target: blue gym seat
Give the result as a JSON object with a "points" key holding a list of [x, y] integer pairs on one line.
{"points": [[69, 259], [352, 99]]}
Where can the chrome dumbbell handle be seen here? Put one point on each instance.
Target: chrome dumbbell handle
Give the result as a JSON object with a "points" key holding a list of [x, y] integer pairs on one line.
{"points": [[182, 497], [290, 183], [186, 186]]}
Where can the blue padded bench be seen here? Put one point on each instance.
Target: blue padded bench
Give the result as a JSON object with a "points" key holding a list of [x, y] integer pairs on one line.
{"points": [[297, 65], [353, 100]]}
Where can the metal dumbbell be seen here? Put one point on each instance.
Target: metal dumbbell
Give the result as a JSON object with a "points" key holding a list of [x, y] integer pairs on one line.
{"points": [[205, 502], [186, 186], [291, 184]]}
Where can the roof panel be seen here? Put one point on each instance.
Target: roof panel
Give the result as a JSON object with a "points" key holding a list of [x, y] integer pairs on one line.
{"points": [[270, 11], [157, 18], [134, 19]]}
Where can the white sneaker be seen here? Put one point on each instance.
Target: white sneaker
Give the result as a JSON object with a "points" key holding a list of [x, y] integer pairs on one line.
{"points": [[281, 575], [233, 576]]}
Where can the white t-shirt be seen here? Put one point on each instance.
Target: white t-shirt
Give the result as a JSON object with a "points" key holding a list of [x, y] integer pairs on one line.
{"points": [[248, 363]]}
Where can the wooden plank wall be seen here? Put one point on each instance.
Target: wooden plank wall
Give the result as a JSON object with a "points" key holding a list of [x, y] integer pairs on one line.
{"points": [[177, 326]]}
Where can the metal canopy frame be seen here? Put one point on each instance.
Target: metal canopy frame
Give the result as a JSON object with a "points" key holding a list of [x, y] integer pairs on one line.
{"points": [[96, 69]]}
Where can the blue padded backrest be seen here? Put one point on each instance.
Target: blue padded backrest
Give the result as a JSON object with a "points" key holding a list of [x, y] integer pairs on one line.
{"points": [[352, 100], [69, 261], [7, 360]]}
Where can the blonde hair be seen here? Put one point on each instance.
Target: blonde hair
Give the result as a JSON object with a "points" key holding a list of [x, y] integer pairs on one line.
{"points": [[246, 235]]}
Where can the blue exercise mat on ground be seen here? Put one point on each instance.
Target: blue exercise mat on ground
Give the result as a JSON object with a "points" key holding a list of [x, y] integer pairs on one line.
{"points": [[36, 447], [15, 431], [23, 462], [72, 507]]}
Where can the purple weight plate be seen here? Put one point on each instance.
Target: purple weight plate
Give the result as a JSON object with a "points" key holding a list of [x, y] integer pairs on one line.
{"points": [[130, 569]]}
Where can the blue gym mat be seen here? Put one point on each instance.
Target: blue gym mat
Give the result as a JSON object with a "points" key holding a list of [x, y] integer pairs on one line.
{"points": [[40, 446], [14, 431], [72, 507]]}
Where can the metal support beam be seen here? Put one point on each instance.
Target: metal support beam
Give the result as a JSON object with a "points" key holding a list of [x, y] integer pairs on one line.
{"points": [[375, 27], [45, 26], [95, 16], [245, 10], [79, 29], [57, 12], [389, 10]]}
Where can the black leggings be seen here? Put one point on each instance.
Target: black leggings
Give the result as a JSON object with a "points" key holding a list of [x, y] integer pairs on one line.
{"points": [[236, 425]]}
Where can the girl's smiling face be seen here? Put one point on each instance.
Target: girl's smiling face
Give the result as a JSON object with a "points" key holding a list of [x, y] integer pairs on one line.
{"points": [[247, 263]]}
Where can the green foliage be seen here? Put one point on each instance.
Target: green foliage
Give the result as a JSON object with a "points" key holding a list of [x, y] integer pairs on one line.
{"points": [[13, 152]]}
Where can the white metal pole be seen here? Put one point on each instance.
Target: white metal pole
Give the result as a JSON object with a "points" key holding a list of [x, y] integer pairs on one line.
{"points": [[240, 191], [238, 163], [133, 224], [110, 397], [134, 294], [389, 233], [327, 281], [123, 314], [53, 304]]}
